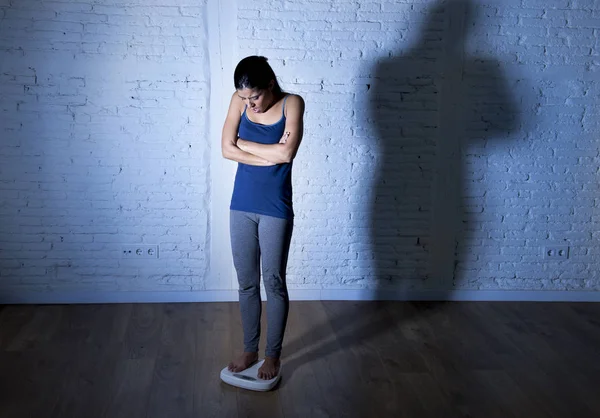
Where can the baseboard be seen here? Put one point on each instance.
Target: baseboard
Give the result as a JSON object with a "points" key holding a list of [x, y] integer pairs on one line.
{"points": [[465, 295], [82, 297]]}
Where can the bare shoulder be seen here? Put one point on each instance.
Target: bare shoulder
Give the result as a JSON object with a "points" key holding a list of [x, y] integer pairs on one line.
{"points": [[294, 103], [295, 100], [235, 103]]}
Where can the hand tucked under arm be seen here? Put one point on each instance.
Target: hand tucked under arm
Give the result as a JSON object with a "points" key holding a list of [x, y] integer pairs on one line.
{"points": [[248, 152], [229, 148], [278, 153], [235, 153], [284, 151]]}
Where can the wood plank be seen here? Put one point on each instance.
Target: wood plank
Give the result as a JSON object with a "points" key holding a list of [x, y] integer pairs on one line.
{"points": [[32, 381], [376, 387], [12, 320], [172, 391], [142, 338], [332, 361], [38, 330], [130, 395], [213, 398], [340, 359], [299, 389], [513, 400], [90, 375], [420, 395]]}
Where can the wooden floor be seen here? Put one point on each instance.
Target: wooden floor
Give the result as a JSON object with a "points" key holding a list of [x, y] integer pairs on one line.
{"points": [[341, 359]]}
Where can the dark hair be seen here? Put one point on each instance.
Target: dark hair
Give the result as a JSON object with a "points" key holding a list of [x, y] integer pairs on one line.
{"points": [[254, 72]]}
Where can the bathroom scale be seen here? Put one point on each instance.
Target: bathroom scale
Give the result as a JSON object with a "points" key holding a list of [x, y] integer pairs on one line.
{"points": [[248, 379]]}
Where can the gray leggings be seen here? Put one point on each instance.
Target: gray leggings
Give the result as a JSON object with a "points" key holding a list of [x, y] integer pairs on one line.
{"points": [[255, 237]]}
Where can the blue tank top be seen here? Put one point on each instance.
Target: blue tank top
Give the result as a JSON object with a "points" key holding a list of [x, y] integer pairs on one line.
{"points": [[263, 190]]}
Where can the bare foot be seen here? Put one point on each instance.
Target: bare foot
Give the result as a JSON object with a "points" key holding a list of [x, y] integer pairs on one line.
{"points": [[242, 362], [269, 369]]}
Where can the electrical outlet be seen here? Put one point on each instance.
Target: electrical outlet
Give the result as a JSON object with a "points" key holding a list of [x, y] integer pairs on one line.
{"points": [[140, 251], [556, 252]]}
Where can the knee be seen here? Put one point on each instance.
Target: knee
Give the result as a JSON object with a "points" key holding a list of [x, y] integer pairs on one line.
{"points": [[249, 290], [274, 281], [249, 282]]}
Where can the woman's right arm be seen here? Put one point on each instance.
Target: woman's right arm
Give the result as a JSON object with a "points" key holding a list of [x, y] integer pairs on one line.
{"points": [[229, 137]]}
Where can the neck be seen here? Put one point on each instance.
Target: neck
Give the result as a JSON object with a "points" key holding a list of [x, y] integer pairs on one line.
{"points": [[275, 99]]}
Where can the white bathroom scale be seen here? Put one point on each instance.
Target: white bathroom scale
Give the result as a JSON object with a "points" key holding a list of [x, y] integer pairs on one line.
{"points": [[248, 379]]}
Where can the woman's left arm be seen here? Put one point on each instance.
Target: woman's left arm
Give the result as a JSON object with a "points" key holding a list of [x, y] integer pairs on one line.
{"points": [[285, 151]]}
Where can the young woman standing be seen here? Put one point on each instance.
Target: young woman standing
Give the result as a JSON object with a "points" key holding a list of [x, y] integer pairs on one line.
{"points": [[262, 132]]}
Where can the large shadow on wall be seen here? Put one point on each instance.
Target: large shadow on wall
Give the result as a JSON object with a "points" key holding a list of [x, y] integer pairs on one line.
{"points": [[427, 104]]}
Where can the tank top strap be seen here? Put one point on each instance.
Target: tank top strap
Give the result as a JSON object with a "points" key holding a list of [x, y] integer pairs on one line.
{"points": [[283, 107]]}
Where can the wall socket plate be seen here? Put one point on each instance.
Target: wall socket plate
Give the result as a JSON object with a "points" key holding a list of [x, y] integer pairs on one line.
{"points": [[139, 251], [556, 252]]}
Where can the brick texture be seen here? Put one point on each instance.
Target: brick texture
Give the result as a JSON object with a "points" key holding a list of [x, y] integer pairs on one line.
{"points": [[462, 133], [446, 143], [104, 143]]}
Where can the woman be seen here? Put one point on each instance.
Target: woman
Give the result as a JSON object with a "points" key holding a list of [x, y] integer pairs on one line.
{"points": [[262, 132]]}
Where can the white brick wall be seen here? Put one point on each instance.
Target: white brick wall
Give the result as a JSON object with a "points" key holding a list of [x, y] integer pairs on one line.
{"points": [[104, 142], [425, 166]]}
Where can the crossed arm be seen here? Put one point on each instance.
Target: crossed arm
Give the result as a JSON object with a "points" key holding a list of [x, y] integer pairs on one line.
{"points": [[252, 153]]}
